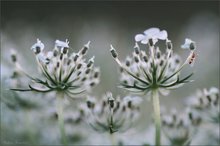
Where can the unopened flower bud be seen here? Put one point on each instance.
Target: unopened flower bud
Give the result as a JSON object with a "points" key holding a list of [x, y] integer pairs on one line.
{"points": [[129, 104], [64, 50], [91, 61], [151, 43], [85, 48], [90, 104], [111, 101], [75, 57], [192, 46], [136, 49], [136, 59], [114, 53], [37, 47], [79, 66], [13, 56], [169, 45]]}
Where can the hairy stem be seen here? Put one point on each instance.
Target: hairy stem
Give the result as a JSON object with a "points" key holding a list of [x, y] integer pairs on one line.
{"points": [[60, 96], [157, 120]]}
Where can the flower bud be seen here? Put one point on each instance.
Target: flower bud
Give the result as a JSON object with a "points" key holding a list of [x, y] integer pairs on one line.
{"points": [[114, 53], [169, 45], [192, 46], [111, 101], [13, 56], [85, 48], [151, 43]]}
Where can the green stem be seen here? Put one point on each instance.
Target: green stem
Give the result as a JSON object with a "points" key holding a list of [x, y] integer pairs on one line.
{"points": [[156, 104], [113, 141], [60, 96]]}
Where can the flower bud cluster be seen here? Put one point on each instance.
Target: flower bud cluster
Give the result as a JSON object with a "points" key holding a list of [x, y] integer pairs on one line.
{"points": [[112, 114]]}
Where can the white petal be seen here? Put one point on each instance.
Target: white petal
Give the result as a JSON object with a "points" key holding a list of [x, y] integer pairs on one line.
{"points": [[214, 90], [62, 44], [188, 41], [185, 46], [139, 37], [152, 31], [144, 41], [155, 40], [50, 54], [162, 35], [41, 57], [38, 44]]}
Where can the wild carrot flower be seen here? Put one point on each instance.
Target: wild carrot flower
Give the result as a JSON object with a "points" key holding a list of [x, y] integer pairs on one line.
{"points": [[112, 114], [144, 71], [154, 71], [153, 33], [206, 103], [180, 128], [62, 72]]}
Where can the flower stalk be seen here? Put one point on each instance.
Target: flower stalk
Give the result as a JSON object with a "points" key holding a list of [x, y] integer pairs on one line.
{"points": [[60, 96], [156, 105], [112, 137], [153, 71]]}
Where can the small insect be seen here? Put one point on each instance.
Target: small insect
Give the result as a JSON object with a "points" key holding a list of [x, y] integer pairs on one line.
{"points": [[192, 57]]}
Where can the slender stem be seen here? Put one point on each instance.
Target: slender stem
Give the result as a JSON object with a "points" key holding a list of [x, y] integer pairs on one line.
{"points": [[60, 116], [112, 135], [156, 104], [113, 141]]}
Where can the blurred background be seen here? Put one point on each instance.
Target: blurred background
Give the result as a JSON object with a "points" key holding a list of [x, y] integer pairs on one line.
{"points": [[105, 23]]}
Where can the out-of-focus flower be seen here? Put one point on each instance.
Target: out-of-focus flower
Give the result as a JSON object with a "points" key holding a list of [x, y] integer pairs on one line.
{"points": [[112, 114], [180, 128], [151, 35], [60, 71], [143, 71], [206, 103]]}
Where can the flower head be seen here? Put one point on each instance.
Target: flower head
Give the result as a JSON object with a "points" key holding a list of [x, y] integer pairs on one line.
{"points": [[62, 71], [206, 103], [112, 114], [151, 35], [143, 71], [180, 127]]}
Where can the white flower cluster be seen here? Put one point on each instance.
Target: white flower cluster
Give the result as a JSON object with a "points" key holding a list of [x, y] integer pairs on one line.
{"points": [[180, 127], [112, 114], [144, 71], [61, 70], [206, 103]]}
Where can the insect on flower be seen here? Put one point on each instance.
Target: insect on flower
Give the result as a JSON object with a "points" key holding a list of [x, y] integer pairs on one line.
{"points": [[146, 70], [189, 44], [192, 58]]}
